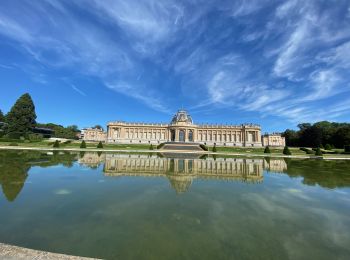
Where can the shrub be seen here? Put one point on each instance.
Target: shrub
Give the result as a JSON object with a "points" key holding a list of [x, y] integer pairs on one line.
{"points": [[347, 148], [56, 144], [83, 144], [35, 137], [151, 147], [67, 142], [100, 145], [13, 144], [214, 148], [321, 146], [328, 147], [14, 135], [204, 147], [318, 152], [160, 145], [286, 151], [267, 149], [11, 140], [306, 150]]}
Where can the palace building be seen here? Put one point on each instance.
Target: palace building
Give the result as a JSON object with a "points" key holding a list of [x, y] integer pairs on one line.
{"points": [[182, 129], [274, 139]]}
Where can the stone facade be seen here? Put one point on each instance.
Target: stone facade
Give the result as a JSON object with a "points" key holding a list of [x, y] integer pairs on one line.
{"points": [[182, 129], [274, 139], [93, 134]]}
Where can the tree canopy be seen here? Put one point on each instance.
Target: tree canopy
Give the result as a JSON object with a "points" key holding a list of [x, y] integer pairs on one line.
{"points": [[69, 132], [21, 118], [319, 134], [2, 117]]}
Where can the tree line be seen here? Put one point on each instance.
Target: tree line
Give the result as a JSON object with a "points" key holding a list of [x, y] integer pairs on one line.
{"points": [[20, 122], [320, 134]]}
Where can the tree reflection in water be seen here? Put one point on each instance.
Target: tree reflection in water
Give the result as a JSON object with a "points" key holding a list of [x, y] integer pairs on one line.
{"points": [[15, 165]]}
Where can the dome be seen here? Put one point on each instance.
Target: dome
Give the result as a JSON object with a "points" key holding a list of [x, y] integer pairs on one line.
{"points": [[182, 116]]}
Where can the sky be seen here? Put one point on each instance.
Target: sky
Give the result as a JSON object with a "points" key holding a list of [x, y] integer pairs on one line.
{"points": [[274, 63]]}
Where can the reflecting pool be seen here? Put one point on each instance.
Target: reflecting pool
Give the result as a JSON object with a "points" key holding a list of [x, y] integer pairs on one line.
{"points": [[168, 206]]}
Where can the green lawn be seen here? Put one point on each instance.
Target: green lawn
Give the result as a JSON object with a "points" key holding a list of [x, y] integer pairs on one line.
{"points": [[76, 144], [91, 145], [258, 150]]}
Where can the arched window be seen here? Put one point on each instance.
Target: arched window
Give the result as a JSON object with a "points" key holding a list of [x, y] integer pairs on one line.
{"points": [[190, 135], [182, 136], [172, 135]]}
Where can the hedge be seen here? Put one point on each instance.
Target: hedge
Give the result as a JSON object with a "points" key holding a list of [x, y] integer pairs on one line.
{"points": [[267, 149], [160, 145], [204, 147]]}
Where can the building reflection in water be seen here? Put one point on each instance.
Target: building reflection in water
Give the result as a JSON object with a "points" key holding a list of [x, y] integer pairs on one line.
{"points": [[181, 172]]}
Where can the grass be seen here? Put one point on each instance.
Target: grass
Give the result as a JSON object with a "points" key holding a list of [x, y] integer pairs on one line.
{"points": [[135, 146], [76, 144], [256, 150]]}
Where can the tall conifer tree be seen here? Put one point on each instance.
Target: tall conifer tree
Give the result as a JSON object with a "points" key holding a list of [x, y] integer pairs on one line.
{"points": [[21, 118], [2, 117]]}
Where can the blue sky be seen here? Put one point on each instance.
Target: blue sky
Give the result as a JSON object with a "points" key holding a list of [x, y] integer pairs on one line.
{"points": [[274, 63]]}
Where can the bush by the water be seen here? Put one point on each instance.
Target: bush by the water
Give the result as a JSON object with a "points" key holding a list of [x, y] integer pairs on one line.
{"points": [[318, 152], [204, 147], [214, 148], [160, 146], [56, 144], [328, 147], [151, 147], [9, 140], [347, 148], [100, 145], [35, 137], [306, 150], [13, 144], [267, 149], [286, 151], [83, 144]]}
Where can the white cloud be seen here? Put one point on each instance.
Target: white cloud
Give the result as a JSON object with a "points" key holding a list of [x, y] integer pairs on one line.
{"points": [[140, 93], [272, 57], [78, 90]]}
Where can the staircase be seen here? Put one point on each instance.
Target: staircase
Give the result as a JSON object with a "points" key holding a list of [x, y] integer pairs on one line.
{"points": [[182, 146]]}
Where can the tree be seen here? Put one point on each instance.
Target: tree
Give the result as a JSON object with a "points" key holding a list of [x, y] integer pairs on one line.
{"points": [[56, 144], [267, 149], [100, 145], [318, 152], [21, 118], [286, 151], [214, 148], [292, 137], [98, 127], [83, 144], [2, 117], [328, 147], [69, 132]]}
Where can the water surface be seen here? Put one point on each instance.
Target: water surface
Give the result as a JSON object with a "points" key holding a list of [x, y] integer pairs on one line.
{"points": [[144, 206]]}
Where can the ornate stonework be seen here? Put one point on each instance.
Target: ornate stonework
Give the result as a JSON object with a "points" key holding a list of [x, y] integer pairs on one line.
{"points": [[93, 134], [182, 129], [274, 139]]}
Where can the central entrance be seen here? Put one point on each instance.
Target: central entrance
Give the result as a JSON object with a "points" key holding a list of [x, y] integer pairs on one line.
{"points": [[181, 136]]}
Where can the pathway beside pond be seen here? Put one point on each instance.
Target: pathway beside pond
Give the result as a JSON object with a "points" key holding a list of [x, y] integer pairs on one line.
{"points": [[16, 252], [325, 157]]}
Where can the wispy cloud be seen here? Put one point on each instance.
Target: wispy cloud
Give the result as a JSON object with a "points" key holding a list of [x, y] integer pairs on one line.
{"points": [[270, 57], [78, 90]]}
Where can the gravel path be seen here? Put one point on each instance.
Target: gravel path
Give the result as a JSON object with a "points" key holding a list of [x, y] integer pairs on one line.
{"points": [[15, 252]]}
